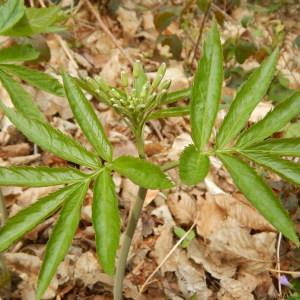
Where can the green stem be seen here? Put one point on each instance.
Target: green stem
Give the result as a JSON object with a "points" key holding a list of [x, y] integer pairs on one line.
{"points": [[4, 272], [131, 226]]}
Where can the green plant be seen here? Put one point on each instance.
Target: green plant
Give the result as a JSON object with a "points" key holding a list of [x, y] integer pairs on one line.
{"points": [[106, 219], [234, 144], [17, 20], [21, 23], [137, 104]]}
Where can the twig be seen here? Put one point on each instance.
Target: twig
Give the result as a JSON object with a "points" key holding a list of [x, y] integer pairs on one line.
{"points": [[107, 31], [278, 263], [200, 35], [224, 13], [66, 50], [285, 272], [166, 257]]}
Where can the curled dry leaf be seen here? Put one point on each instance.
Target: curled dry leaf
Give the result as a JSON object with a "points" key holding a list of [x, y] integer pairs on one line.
{"points": [[206, 226], [191, 279], [243, 212], [162, 247], [212, 262], [180, 142], [111, 70], [183, 207], [129, 21], [27, 267], [31, 195], [87, 269], [234, 289], [255, 251], [163, 212]]}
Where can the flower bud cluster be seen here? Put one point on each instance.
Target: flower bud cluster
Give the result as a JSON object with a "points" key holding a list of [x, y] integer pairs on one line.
{"points": [[137, 101]]}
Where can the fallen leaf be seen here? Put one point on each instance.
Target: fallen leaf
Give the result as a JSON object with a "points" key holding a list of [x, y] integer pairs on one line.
{"points": [[183, 207], [243, 212]]}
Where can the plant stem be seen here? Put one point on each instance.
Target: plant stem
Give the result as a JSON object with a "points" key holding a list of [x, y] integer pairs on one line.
{"points": [[132, 223], [131, 226], [133, 220], [4, 272]]}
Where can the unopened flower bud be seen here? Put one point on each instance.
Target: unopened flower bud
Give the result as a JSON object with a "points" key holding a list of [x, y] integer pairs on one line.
{"points": [[145, 90], [164, 85], [115, 93], [137, 69], [124, 79]]}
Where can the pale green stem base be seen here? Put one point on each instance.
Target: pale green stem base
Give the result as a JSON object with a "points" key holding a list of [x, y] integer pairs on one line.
{"points": [[131, 226]]}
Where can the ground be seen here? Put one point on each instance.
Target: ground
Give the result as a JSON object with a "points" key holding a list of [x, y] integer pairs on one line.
{"points": [[232, 253]]}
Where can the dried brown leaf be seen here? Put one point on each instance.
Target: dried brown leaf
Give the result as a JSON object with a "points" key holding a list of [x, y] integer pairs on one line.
{"points": [[243, 212], [183, 207], [210, 217]]}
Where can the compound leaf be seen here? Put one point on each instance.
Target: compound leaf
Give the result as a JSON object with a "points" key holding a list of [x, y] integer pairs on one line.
{"points": [[37, 20], [10, 13], [260, 195], [51, 139], [142, 172], [61, 237], [18, 53], [87, 118], [106, 221], [280, 147], [193, 166], [248, 96], [284, 168], [206, 90], [21, 99], [38, 79], [39, 176], [28, 218], [273, 121]]}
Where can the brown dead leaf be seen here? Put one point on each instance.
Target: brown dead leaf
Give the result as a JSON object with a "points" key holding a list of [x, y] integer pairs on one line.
{"points": [[31, 195], [212, 262], [210, 217], [234, 289], [255, 251], [88, 270], [27, 267], [150, 196], [180, 142], [260, 111], [21, 149], [111, 70], [191, 279], [183, 207], [129, 21], [162, 247], [245, 214]]}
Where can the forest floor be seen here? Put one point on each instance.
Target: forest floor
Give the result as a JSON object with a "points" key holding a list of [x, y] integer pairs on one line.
{"points": [[232, 252]]}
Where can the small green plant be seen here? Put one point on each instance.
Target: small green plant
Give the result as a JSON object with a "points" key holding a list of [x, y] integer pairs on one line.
{"points": [[100, 164], [138, 103], [234, 144]]}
